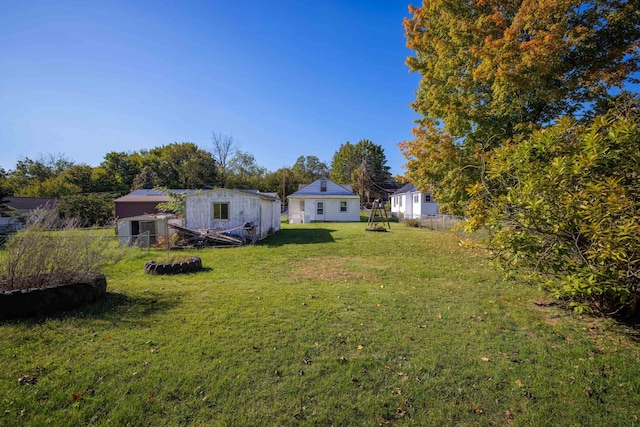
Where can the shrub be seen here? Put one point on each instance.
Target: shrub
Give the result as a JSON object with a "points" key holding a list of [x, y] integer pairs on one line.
{"points": [[412, 222], [50, 251], [563, 208]]}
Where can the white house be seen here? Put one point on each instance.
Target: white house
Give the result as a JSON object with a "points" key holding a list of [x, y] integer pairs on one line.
{"points": [[323, 200], [409, 202], [225, 209]]}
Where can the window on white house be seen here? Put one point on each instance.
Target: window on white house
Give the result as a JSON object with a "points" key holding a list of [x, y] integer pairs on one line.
{"points": [[221, 211], [416, 198], [395, 201], [343, 206], [428, 198], [320, 208], [400, 201], [323, 185]]}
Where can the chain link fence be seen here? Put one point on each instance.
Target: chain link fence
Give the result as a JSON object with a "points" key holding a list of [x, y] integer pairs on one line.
{"points": [[435, 222]]}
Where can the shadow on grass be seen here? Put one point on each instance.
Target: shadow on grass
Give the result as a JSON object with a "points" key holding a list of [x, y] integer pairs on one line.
{"points": [[116, 304], [299, 236], [113, 307]]}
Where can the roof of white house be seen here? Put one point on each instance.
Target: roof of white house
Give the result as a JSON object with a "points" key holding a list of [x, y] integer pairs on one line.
{"points": [[407, 188], [342, 190]]}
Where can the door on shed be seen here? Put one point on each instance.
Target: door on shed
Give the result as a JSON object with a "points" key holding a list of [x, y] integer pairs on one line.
{"points": [[149, 227]]}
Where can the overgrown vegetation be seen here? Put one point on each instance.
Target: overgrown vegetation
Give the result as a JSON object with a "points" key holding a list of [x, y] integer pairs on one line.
{"points": [[320, 324], [50, 251], [559, 195], [564, 209]]}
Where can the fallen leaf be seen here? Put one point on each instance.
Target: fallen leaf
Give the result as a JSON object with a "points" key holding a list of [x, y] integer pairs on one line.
{"points": [[150, 399], [360, 347], [508, 414], [439, 316], [519, 383], [485, 359], [76, 396], [478, 411], [109, 336]]}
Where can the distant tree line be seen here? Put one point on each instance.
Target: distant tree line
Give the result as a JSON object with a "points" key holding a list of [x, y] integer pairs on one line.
{"points": [[87, 192]]}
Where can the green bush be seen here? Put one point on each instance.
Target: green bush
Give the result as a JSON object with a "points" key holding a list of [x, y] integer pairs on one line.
{"points": [[563, 208], [412, 222]]}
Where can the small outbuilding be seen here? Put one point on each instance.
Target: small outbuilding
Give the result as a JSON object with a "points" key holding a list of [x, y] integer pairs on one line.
{"points": [[410, 203], [146, 230], [324, 200], [225, 209]]}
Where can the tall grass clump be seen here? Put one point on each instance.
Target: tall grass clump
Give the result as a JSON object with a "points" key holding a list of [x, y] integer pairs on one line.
{"points": [[50, 251]]}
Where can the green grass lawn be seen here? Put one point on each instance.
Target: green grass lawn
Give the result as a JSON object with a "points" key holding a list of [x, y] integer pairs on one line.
{"points": [[321, 324]]}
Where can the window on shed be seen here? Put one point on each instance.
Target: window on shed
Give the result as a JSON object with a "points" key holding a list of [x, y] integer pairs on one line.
{"points": [[323, 185], [428, 198], [400, 201], [416, 198], [221, 211], [343, 206]]}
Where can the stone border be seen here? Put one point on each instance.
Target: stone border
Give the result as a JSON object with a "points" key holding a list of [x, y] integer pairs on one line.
{"points": [[191, 266], [51, 299]]}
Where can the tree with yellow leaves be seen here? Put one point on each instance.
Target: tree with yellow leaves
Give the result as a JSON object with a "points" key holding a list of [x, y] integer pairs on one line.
{"points": [[495, 69]]}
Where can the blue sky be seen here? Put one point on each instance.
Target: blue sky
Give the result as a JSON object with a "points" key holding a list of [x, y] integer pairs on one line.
{"points": [[285, 78]]}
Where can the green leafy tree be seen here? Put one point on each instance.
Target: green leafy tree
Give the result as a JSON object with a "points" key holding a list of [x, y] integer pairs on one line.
{"points": [[29, 175], [183, 165], [123, 168], [4, 193], [307, 169], [563, 208], [363, 165], [492, 70], [102, 181], [50, 187], [91, 209], [80, 176], [283, 181], [244, 172], [176, 204], [147, 178]]}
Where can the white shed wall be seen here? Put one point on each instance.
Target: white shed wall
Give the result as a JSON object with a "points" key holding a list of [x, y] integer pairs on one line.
{"points": [[243, 208]]}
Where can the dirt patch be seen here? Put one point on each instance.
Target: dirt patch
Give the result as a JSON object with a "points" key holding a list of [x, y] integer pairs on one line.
{"points": [[335, 268]]}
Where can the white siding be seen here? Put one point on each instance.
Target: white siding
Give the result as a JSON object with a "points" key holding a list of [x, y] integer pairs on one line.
{"points": [[405, 206], [243, 208], [304, 202], [331, 209]]}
